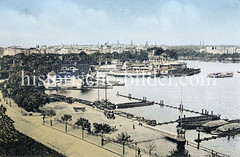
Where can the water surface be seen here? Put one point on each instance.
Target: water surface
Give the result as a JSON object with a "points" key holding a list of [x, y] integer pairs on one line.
{"points": [[222, 96]]}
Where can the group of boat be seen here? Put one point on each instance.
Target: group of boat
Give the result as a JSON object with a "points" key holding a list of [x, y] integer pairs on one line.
{"points": [[221, 127], [153, 74], [227, 129], [147, 69], [103, 79], [212, 124], [220, 75]]}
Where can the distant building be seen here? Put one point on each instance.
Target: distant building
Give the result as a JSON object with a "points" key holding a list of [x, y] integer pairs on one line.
{"points": [[221, 49], [115, 65], [67, 77], [82, 69], [110, 48], [157, 59], [238, 49], [12, 50]]}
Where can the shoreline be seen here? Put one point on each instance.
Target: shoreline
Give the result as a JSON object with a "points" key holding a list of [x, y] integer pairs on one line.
{"points": [[61, 142], [139, 134], [124, 119], [213, 61]]}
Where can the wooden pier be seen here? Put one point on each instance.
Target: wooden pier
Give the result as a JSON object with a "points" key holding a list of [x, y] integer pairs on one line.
{"points": [[204, 116], [161, 103], [168, 135], [170, 122], [148, 123]]}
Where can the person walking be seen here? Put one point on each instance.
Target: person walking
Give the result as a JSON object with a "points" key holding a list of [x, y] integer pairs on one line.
{"points": [[139, 152]]}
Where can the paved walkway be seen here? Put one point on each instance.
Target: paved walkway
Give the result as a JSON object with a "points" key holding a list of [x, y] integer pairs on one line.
{"points": [[60, 141]]}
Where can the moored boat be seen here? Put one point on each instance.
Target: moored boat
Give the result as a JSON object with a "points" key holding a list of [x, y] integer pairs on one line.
{"points": [[130, 73], [212, 125], [220, 75], [227, 129]]}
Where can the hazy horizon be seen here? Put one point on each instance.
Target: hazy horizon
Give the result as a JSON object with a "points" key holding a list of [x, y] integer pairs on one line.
{"points": [[172, 22]]}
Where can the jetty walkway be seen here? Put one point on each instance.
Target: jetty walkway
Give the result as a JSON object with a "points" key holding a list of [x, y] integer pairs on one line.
{"points": [[161, 103], [170, 136]]}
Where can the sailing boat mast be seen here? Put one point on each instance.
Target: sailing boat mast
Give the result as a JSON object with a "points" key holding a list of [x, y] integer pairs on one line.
{"points": [[98, 81], [105, 87], [181, 108], [98, 91], [180, 130]]}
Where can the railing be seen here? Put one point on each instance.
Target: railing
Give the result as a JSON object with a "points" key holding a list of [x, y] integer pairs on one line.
{"points": [[208, 150], [110, 144]]}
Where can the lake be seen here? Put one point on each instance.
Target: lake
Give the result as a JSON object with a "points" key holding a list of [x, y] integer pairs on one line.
{"points": [[197, 92]]}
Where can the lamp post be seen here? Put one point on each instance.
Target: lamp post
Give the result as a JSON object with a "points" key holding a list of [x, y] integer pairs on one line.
{"points": [[102, 140]]}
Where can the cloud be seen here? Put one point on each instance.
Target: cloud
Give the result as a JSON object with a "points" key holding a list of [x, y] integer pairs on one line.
{"points": [[28, 22], [54, 22], [172, 22], [177, 23]]}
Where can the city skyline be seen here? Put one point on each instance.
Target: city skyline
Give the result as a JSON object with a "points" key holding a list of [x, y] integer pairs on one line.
{"points": [[28, 23]]}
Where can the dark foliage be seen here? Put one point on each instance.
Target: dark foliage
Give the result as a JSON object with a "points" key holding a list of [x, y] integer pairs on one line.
{"points": [[123, 137], [26, 146], [7, 129], [66, 117], [84, 123], [179, 152], [167, 53], [14, 143], [30, 93], [102, 128]]}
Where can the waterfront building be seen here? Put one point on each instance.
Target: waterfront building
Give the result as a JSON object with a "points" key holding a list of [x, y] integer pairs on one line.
{"points": [[115, 65], [65, 79], [221, 49], [69, 77]]}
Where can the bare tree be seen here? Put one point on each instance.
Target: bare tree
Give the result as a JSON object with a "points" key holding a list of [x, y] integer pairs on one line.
{"points": [[151, 147]]}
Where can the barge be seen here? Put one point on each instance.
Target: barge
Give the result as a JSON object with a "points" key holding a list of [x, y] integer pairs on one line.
{"points": [[133, 104]]}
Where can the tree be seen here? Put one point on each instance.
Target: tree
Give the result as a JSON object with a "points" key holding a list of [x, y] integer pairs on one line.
{"points": [[124, 138], [158, 51], [102, 128], [84, 123], [7, 129], [151, 147], [115, 55], [65, 118], [172, 54], [51, 113], [180, 151]]}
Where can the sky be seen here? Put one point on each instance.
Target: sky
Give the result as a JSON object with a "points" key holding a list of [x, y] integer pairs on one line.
{"points": [[27, 23]]}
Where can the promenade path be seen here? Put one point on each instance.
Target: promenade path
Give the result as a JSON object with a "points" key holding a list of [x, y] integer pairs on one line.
{"points": [[71, 144], [60, 141]]}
